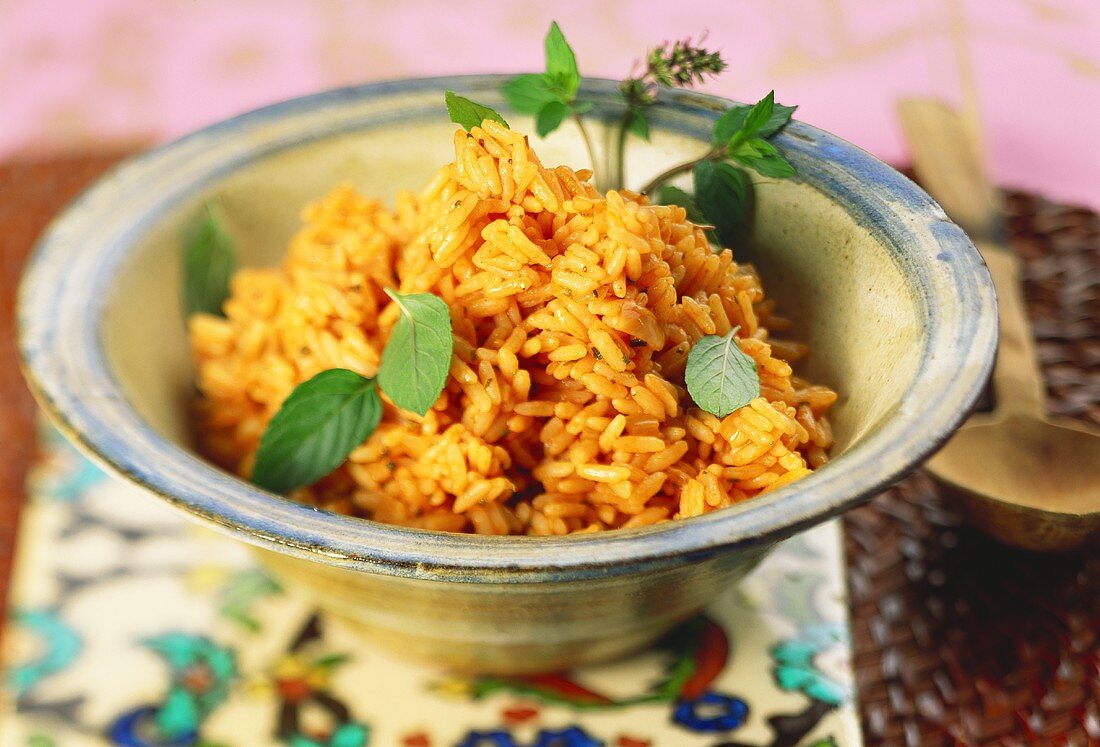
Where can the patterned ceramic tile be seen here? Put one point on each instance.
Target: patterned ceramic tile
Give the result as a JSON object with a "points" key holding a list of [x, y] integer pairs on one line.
{"points": [[131, 627]]}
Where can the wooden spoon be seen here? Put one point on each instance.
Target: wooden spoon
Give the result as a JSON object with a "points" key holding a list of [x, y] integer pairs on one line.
{"points": [[1023, 476]]}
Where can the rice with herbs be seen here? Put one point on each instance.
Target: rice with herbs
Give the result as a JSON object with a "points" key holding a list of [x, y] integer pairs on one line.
{"points": [[573, 314]]}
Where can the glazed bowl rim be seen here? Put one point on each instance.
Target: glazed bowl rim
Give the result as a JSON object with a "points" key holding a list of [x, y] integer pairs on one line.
{"points": [[65, 362]]}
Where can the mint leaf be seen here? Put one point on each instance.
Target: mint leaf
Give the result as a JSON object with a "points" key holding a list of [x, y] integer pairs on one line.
{"points": [[637, 123], [208, 263], [759, 115], [776, 167], [721, 377], [318, 425], [417, 357], [724, 195], [529, 93], [468, 113], [550, 117], [780, 118], [765, 158], [733, 120], [727, 125], [561, 63]]}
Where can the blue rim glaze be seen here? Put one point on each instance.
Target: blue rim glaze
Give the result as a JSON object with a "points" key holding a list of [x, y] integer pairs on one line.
{"points": [[65, 287]]}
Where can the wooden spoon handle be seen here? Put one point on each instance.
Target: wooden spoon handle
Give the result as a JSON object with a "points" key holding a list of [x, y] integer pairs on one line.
{"points": [[1017, 378], [946, 161]]}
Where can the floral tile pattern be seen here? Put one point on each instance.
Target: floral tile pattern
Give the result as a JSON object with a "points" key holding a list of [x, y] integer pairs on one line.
{"points": [[131, 627]]}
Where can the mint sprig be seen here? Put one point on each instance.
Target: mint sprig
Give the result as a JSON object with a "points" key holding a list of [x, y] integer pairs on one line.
{"points": [[721, 377], [735, 120], [551, 96], [681, 64], [740, 140], [547, 96], [743, 129]]}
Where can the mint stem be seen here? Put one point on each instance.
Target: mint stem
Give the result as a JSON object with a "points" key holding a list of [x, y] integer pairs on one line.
{"points": [[711, 155], [588, 146], [619, 169]]}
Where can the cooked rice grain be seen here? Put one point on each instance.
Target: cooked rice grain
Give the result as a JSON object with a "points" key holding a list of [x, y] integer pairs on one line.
{"points": [[573, 314]]}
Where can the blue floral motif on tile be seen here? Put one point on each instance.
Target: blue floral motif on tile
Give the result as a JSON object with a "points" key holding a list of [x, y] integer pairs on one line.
{"points": [[137, 728], [711, 711], [570, 736], [494, 738]]}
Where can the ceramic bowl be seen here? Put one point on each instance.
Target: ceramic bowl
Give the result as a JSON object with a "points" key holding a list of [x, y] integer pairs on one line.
{"points": [[894, 300]]}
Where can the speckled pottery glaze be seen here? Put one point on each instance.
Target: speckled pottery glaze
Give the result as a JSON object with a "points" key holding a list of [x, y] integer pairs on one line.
{"points": [[892, 297]]}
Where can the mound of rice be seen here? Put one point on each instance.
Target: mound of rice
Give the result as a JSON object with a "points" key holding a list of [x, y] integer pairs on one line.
{"points": [[573, 314]]}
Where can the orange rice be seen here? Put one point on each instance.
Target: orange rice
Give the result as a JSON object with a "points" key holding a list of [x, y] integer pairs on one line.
{"points": [[573, 314]]}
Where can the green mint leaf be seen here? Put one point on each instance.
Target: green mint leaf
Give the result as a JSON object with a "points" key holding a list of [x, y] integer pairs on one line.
{"points": [[637, 123], [721, 377], [747, 148], [759, 115], [550, 117], [763, 157], [417, 357], [729, 124], [775, 167], [318, 425], [724, 195], [561, 63], [529, 93], [467, 113], [763, 147], [753, 148], [208, 263], [780, 118], [734, 119]]}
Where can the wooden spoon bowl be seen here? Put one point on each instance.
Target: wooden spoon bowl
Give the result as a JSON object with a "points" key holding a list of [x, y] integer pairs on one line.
{"points": [[1020, 478], [1021, 475]]}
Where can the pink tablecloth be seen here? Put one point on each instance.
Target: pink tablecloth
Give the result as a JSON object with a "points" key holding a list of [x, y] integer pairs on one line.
{"points": [[77, 72]]}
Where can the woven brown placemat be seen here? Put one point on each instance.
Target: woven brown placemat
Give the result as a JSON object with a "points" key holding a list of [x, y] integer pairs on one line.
{"points": [[958, 640]]}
